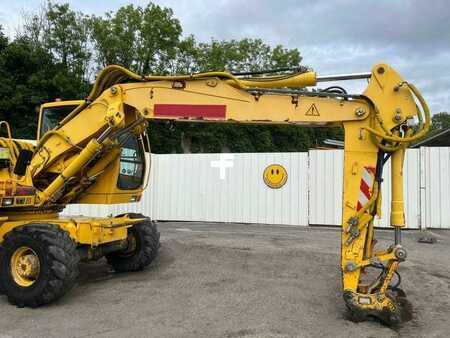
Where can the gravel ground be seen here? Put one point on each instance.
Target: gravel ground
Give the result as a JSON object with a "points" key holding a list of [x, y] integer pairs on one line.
{"points": [[237, 280]]}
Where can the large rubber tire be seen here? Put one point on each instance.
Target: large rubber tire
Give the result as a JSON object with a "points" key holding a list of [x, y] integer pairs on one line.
{"points": [[58, 264], [145, 237]]}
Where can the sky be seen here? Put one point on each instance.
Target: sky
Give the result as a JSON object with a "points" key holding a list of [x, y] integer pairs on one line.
{"points": [[333, 36]]}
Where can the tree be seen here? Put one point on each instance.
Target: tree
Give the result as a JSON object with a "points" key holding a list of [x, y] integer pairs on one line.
{"points": [[115, 36], [440, 121], [160, 35], [3, 39], [142, 39], [64, 33], [186, 57], [235, 55], [28, 75]]}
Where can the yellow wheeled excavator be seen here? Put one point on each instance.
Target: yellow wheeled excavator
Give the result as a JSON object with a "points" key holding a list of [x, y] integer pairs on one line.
{"points": [[92, 151]]}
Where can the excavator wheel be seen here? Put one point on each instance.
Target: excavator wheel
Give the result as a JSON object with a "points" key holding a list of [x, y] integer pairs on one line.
{"points": [[38, 264], [143, 245]]}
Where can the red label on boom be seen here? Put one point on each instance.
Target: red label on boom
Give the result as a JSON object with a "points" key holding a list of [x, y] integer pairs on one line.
{"points": [[190, 110]]}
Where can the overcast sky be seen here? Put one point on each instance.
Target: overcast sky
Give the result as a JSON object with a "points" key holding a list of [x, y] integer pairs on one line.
{"points": [[333, 36]]}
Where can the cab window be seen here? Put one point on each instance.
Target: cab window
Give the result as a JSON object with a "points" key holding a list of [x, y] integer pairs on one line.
{"points": [[51, 116], [132, 163]]}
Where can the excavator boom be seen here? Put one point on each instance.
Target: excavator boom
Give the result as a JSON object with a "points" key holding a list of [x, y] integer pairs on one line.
{"points": [[94, 154]]}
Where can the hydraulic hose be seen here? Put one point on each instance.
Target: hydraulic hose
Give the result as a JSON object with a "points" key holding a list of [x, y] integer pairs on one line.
{"points": [[418, 135]]}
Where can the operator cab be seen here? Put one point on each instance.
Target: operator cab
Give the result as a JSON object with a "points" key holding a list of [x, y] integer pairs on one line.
{"points": [[132, 168], [132, 163]]}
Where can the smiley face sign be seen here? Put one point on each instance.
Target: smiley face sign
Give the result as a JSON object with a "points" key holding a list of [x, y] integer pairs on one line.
{"points": [[275, 176]]}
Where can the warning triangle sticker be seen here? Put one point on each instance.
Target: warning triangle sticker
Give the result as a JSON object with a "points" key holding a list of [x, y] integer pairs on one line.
{"points": [[312, 111]]}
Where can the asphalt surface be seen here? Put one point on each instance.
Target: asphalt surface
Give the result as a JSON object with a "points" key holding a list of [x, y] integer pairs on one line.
{"points": [[236, 280]]}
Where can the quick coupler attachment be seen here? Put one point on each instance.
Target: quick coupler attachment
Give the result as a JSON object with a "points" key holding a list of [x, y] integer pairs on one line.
{"points": [[391, 308], [381, 299]]}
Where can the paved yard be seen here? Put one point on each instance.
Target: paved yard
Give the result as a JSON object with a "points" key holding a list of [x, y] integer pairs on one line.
{"points": [[234, 280]]}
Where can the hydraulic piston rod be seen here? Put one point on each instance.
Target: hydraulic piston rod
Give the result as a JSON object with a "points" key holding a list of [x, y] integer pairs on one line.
{"points": [[340, 77]]}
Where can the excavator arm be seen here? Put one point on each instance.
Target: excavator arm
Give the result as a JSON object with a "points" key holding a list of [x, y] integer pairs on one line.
{"points": [[79, 160]]}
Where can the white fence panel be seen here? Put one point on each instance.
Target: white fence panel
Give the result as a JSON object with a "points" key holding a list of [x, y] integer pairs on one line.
{"points": [[188, 188], [91, 210], [325, 188], [435, 187]]}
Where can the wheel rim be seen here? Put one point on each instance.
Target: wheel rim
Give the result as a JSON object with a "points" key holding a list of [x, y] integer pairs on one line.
{"points": [[131, 246], [25, 266]]}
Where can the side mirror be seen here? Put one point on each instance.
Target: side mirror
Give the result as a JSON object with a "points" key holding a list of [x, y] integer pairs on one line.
{"points": [[23, 161]]}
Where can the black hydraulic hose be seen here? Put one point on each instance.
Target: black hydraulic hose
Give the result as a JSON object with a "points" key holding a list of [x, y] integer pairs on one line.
{"points": [[399, 281], [380, 163], [335, 89], [381, 160]]}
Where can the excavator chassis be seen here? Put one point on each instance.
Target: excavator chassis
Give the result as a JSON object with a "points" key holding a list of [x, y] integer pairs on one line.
{"points": [[39, 257]]}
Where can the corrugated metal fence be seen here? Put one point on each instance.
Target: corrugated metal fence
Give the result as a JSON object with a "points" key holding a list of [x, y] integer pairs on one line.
{"points": [[435, 187], [188, 187]]}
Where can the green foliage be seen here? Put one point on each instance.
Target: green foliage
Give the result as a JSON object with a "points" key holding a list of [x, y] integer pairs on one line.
{"points": [[440, 121], [28, 75], [142, 39], [3, 40], [47, 60], [65, 34], [234, 55], [186, 57], [212, 138], [59, 49], [164, 138]]}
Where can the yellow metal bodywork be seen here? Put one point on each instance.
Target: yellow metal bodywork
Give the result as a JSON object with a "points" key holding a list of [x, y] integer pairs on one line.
{"points": [[84, 148], [18, 189], [92, 231], [241, 106], [307, 79], [397, 202]]}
